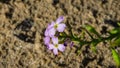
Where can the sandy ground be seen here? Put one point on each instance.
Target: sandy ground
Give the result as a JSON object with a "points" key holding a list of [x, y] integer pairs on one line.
{"points": [[22, 25]]}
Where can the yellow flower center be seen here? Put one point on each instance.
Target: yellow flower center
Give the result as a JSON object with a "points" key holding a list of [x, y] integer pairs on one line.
{"points": [[55, 26], [56, 45]]}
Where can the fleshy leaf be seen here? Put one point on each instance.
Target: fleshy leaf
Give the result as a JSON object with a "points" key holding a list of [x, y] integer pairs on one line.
{"points": [[116, 57], [118, 24], [116, 42], [114, 31], [93, 45], [91, 29]]}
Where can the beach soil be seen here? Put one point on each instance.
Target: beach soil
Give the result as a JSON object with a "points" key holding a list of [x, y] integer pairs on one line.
{"points": [[22, 26]]}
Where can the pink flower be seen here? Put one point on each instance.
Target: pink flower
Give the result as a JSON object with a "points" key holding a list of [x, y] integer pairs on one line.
{"points": [[55, 46], [55, 26], [50, 40]]}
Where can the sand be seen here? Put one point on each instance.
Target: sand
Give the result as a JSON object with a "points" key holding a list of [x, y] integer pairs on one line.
{"points": [[22, 26]]}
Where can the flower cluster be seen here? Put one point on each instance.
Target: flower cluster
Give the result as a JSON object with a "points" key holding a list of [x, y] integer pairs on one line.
{"points": [[50, 40]]}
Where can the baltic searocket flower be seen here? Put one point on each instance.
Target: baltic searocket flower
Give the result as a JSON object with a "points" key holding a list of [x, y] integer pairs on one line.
{"points": [[55, 46], [55, 26], [50, 39]]}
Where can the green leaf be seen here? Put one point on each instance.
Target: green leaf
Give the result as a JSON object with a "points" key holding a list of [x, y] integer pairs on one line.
{"points": [[118, 24], [63, 34], [114, 31], [93, 48], [116, 57], [92, 30], [79, 52], [81, 43], [93, 45], [73, 35], [116, 42]]}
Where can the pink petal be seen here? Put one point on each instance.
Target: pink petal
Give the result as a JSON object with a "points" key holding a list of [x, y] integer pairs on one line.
{"points": [[51, 25], [55, 51], [61, 47], [60, 19], [46, 33], [50, 46], [61, 27], [47, 40], [51, 32], [55, 40], [48, 28]]}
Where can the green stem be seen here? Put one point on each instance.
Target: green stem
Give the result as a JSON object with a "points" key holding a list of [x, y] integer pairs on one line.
{"points": [[87, 42]]}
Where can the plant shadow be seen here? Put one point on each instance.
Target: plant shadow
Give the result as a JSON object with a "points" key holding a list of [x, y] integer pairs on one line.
{"points": [[23, 31]]}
